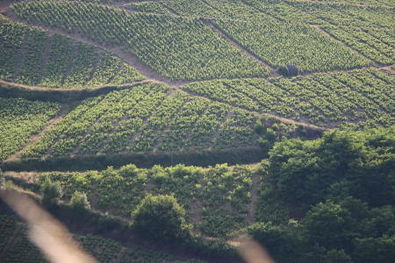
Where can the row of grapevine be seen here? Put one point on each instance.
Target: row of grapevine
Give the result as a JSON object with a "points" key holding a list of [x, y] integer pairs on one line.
{"points": [[147, 117], [226, 9], [21, 250], [376, 3], [149, 7], [31, 56], [178, 48], [346, 15], [371, 46], [19, 119], [327, 99], [206, 193], [280, 44], [106, 250]]}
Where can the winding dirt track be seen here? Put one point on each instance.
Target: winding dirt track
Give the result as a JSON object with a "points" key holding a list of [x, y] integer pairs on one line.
{"points": [[152, 76]]}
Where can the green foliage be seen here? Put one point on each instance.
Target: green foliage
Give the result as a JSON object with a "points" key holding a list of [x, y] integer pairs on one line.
{"points": [[160, 218], [47, 61], [2, 180], [186, 49], [330, 225], [380, 250], [145, 118], [103, 249], [282, 242], [79, 201], [288, 43], [51, 191], [311, 170], [360, 96], [19, 119], [337, 256]]}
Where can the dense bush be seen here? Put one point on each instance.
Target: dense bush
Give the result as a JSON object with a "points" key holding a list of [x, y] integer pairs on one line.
{"points": [[79, 201], [160, 218], [51, 192]]}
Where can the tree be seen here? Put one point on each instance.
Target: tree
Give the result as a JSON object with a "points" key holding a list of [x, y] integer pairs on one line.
{"points": [[378, 250], [283, 242], [160, 218], [79, 201], [51, 192], [337, 256], [330, 225]]}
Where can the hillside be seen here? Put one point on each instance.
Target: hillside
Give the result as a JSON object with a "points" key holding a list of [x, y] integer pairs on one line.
{"points": [[233, 107]]}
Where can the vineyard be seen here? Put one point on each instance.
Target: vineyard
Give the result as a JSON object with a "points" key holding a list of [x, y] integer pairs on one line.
{"points": [[329, 100], [185, 50], [15, 247], [19, 120], [268, 118], [56, 61], [207, 194], [145, 118]]}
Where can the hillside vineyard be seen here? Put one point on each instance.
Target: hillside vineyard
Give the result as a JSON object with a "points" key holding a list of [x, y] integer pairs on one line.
{"points": [[169, 130]]}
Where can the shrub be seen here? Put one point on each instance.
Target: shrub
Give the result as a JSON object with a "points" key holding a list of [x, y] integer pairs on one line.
{"points": [[79, 201], [51, 192], [160, 218], [2, 180]]}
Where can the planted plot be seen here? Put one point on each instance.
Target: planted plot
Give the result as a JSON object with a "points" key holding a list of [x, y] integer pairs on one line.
{"points": [[226, 9], [345, 15], [369, 42], [146, 118], [178, 48], [105, 250], [149, 7], [326, 99], [207, 194], [280, 44], [21, 250], [20, 119], [31, 56]]}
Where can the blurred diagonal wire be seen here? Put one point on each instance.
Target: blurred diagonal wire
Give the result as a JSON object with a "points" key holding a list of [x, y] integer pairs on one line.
{"points": [[57, 244], [48, 234]]}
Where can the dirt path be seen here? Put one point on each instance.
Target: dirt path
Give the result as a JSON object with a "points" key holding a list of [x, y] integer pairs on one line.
{"points": [[322, 31], [281, 119], [35, 138], [66, 90], [238, 46], [255, 186], [388, 69], [128, 57]]}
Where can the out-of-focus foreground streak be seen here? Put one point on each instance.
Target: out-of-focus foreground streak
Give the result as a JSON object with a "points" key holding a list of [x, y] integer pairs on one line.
{"points": [[48, 234]]}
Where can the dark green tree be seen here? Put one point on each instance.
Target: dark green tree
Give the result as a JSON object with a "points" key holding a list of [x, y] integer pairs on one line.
{"points": [[160, 218], [330, 225], [377, 250]]}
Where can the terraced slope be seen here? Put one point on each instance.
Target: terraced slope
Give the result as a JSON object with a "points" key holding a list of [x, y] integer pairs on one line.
{"points": [[363, 97], [145, 118], [178, 48], [20, 119], [32, 56], [15, 247], [217, 199]]}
